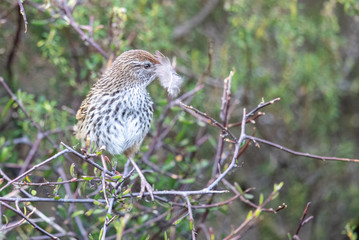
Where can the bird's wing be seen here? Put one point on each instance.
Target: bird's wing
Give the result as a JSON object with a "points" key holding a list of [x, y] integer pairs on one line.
{"points": [[81, 113]]}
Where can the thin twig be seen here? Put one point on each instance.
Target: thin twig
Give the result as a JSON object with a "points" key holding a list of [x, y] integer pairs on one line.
{"points": [[208, 119], [86, 159], [235, 154], [303, 220], [224, 116], [22, 12], [35, 167], [262, 105], [323, 158], [77, 28], [28, 220], [191, 220]]}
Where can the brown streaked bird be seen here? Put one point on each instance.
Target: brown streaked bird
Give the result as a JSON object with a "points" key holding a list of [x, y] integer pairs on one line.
{"points": [[117, 112]]}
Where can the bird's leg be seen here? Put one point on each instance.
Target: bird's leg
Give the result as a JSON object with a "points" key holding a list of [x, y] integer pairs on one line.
{"points": [[144, 183]]}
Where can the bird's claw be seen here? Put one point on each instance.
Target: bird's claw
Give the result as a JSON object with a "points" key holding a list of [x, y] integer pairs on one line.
{"points": [[145, 185]]}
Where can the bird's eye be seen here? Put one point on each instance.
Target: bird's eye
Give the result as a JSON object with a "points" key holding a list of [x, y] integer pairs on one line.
{"points": [[147, 65]]}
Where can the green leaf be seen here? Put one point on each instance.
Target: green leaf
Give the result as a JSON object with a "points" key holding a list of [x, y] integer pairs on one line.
{"points": [[261, 198], [191, 224], [127, 191], [239, 189], [249, 216], [101, 233], [187, 180], [257, 212], [6, 109], [87, 178], [33, 192], [116, 177], [89, 212], [277, 187], [179, 220], [248, 196], [168, 216], [6, 219], [72, 167], [77, 213]]}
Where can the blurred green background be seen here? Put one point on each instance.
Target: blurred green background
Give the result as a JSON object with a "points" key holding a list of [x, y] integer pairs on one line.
{"points": [[305, 52]]}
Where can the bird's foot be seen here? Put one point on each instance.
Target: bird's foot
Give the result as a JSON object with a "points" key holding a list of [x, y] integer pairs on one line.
{"points": [[145, 185]]}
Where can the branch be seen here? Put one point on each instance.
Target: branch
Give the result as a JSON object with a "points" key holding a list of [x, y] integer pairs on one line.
{"points": [[77, 28], [22, 12], [261, 105], [323, 158], [27, 219], [303, 220], [191, 221], [34, 168], [235, 154], [200, 115]]}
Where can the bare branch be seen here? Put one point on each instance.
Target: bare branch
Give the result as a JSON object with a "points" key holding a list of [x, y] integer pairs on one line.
{"points": [[303, 220], [28, 220], [323, 158], [77, 28], [34, 168], [22, 12]]}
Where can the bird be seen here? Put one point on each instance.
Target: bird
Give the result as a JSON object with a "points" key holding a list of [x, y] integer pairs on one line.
{"points": [[117, 112]]}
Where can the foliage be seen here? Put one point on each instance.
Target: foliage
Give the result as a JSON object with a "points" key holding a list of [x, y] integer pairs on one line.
{"points": [[303, 52]]}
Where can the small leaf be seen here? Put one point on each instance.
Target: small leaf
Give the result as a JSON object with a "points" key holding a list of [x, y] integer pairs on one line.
{"points": [[127, 191], [57, 197], [116, 177], [191, 224], [72, 167], [168, 216], [277, 187], [89, 212], [257, 212], [28, 179], [6, 219], [249, 216], [187, 181], [178, 221], [101, 233], [97, 203], [80, 212], [165, 236], [248, 196], [87, 178], [239, 189], [6, 108], [261, 198]]}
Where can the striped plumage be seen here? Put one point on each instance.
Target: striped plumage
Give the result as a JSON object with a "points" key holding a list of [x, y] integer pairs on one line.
{"points": [[118, 110]]}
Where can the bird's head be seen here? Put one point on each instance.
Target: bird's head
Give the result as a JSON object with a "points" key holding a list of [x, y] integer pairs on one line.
{"points": [[133, 68], [138, 68]]}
